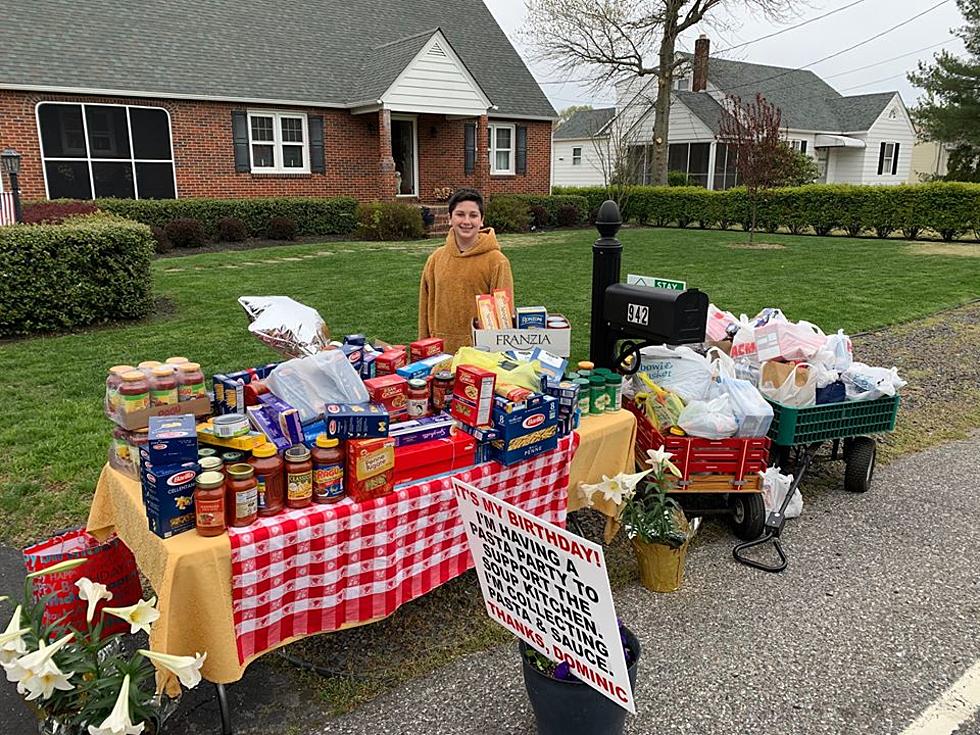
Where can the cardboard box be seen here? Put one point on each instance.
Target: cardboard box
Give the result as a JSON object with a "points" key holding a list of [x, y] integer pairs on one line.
{"points": [[370, 468], [285, 415], [368, 367], [355, 421], [205, 435], [551, 365], [141, 419], [532, 317], [434, 457], [474, 384], [172, 440], [556, 341], [263, 422], [527, 432], [482, 434], [390, 391], [425, 429], [168, 496], [229, 388], [423, 348], [388, 362], [355, 353]]}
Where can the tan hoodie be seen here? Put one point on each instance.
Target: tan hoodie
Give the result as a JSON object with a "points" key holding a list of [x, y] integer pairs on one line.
{"points": [[452, 280]]}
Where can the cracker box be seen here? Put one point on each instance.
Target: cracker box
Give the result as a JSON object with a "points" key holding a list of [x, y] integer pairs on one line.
{"points": [[390, 391], [527, 432], [532, 317], [388, 362], [423, 348], [172, 440], [355, 421], [370, 468]]}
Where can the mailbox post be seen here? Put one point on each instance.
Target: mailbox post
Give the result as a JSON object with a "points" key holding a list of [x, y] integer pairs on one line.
{"points": [[607, 256]]}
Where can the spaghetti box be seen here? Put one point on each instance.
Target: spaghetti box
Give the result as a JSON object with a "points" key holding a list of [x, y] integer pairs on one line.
{"points": [[551, 365], [229, 388], [532, 317], [388, 362], [423, 348], [172, 440], [390, 391], [483, 434], [355, 353], [368, 367], [355, 421], [525, 433], [424, 429], [439, 362], [434, 457], [414, 370]]}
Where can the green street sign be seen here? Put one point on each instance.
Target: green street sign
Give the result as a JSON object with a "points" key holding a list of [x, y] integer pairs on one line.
{"points": [[653, 282]]}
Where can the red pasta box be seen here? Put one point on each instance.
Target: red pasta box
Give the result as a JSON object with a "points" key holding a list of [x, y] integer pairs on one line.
{"points": [[423, 348], [475, 385], [390, 391], [471, 414], [370, 468], [434, 457], [389, 361]]}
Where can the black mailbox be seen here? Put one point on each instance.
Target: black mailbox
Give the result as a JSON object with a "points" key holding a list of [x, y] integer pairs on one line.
{"points": [[636, 315]]}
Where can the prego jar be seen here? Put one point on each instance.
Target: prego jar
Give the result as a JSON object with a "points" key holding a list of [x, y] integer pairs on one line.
{"points": [[241, 504], [270, 478]]}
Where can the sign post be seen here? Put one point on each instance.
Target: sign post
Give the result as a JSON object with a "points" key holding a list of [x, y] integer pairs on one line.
{"points": [[548, 587]]}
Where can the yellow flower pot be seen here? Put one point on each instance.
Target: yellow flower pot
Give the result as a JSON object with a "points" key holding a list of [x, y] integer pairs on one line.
{"points": [[661, 566]]}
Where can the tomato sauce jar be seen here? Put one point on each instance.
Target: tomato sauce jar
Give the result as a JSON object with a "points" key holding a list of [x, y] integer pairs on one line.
{"points": [[209, 504], [242, 502], [299, 477], [270, 477]]}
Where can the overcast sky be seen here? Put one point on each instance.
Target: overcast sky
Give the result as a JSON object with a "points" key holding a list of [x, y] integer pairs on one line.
{"points": [[797, 48]]}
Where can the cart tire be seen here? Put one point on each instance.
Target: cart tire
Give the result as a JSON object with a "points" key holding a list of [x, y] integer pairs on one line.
{"points": [[860, 464], [748, 516]]}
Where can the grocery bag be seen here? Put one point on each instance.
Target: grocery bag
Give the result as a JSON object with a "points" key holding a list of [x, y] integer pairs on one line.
{"points": [[679, 369], [839, 345], [307, 383], [110, 562], [718, 323], [712, 419], [865, 383], [788, 341], [752, 412], [775, 485], [790, 385]]}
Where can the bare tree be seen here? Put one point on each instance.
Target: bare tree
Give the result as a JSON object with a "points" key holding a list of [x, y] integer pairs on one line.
{"points": [[754, 133], [616, 40], [615, 149]]}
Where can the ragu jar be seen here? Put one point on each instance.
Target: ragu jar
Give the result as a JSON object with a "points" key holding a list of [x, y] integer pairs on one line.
{"points": [[209, 504], [134, 392], [163, 387], [190, 382], [442, 389], [299, 477], [112, 384], [241, 504], [328, 470], [270, 477]]}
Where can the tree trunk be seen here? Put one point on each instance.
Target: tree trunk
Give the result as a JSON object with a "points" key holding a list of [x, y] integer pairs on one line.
{"points": [[661, 124], [755, 203]]}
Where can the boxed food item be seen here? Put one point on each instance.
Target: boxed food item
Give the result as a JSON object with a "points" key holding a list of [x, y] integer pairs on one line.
{"points": [[390, 391], [505, 308], [355, 421], [470, 413], [370, 468], [416, 431], [526, 432], [263, 422], [140, 419], [244, 443], [355, 339], [355, 353], [168, 495], [229, 388], [388, 362], [172, 440], [434, 457], [551, 365], [554, 339], [285, 416], [425, 367], [532, 317], [486, 312], [472, 401], [423, 348], [368, 366]]}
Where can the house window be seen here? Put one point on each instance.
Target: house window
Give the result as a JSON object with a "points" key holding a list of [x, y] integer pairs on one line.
{"points": [[726, 175], [278, 142], [888, 159], [501, 149], [90, 151], [691, 159], [682, 84], [798, 145], [577, 156]]}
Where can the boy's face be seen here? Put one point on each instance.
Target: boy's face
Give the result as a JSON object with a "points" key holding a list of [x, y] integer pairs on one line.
{"points": [[466, 222]]}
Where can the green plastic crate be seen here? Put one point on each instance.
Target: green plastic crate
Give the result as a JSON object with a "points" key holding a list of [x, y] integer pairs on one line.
{"points": [[792, 426]]}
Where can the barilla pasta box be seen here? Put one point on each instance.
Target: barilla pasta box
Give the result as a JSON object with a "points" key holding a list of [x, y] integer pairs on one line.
{"points": [[355, 353], [370, 468], [355, 421], [551, 365], [390, 391], [368, 367], [423, 348], [168, 495], [527, 432], [229, 388], [172, 440], [388, 362]]}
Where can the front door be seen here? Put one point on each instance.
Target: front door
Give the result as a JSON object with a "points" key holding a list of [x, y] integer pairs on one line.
{"points": [[404, 149]]}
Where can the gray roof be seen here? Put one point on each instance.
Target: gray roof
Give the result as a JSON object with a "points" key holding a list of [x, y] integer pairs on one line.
{"points": [[860, 111], [383, 64], [704, 106], [584, 123], [315, 51]]}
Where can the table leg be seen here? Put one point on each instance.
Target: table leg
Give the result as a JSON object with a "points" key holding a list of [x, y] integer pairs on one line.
{"points": [[223, 708]]}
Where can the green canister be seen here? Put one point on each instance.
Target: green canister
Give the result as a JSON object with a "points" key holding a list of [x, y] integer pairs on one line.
{"points": [[584, 395], [585, 374], [571, 375], [614, 392], [598, 398]]}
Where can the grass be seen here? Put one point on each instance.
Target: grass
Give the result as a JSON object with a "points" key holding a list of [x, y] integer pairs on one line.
{"points": [[53, 436]]}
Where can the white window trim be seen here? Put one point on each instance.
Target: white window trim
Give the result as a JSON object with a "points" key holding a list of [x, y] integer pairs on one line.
{"points": [[577, 157], [88, 160], [888, 161], [415, 153], [494, 127], [797, 145], [277, 142]]}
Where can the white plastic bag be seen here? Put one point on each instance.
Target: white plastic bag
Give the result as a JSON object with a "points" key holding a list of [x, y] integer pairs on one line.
{"points": [[743, 343], [864, 383], [307, 383], [788, 341], [775, 485], [679, 369], [781, 383], [752, 412], [718, 324], [721, 364], [287, 326], [711, 419], [839, 346]]}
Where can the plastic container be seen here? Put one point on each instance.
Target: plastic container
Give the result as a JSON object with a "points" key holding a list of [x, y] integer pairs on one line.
{"points": [[584, 394], [147, 367], [190, 382], [271, 479], [614, 392], [299, 477], [328, 470], [597, 395], [134, 392], [112, 384], [242, 504], [203, 452], [211, 464], [209, 504], [163, 387]]}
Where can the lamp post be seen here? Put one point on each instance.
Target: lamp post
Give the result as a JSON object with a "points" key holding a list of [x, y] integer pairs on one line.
{"points": [[10, 161]]}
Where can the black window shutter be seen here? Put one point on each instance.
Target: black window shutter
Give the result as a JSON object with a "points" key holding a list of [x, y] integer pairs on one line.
{"points": [[881, 159], [895, 159], [239, 134], [521, 149], [317, 160], [469, 148], [803, 146]]}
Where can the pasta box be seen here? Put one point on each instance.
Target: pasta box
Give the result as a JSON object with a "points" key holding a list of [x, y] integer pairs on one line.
{"points": [[434, 457], [424, 429], [355, 420], [172, 440], [423, 348], [390, 391], [168, 495], [370, 468], [388, 362], [526, 432]]}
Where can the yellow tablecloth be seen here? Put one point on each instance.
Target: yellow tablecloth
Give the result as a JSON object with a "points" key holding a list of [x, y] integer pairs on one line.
{"points": [[192, 574]]}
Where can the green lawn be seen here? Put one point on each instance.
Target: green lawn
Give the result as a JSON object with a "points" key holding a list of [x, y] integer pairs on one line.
{"points": [[53, 436]]}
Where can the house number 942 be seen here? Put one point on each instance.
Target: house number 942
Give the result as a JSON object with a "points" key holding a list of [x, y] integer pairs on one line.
{"points": [[638, 314]]}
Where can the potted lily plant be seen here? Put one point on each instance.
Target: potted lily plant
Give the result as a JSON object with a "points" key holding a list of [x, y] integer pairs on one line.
{"points": [[81, 682], [654, 522]]}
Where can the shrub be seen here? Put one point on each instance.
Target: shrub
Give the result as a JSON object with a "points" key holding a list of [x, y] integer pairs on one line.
{"points": [[185, 233], [551, 204], [539, 216], [281, 228], [162, 242], [569, 216], [231, 229], [676, 178], [505, 214], [389, 221], [55, 211], [81, 272]]}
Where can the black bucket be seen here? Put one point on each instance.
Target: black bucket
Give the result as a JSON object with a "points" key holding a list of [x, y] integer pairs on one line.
{"points": [[573, 707]]}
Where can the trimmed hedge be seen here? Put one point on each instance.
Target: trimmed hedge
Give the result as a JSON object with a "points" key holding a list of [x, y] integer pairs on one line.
{"points": [[557, 208], [312, 215], [949, 209], [389, 221], [87, 270]]}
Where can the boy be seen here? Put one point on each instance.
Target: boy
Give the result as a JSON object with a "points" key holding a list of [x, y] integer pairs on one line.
{"points": [[469, 264]]}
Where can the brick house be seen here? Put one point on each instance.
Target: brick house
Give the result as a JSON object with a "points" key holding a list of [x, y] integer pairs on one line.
{"points": [[192, 98]]}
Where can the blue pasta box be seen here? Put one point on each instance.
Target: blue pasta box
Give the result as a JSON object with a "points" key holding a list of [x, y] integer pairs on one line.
{"points": [[551, 365], [172, 440], [368, 368], [355, 421], [229, 388], [168, 495], [355, 353], [355, 339], [527, 432], [414, 370]]}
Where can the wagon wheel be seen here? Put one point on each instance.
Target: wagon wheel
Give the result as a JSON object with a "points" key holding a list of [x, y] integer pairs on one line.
{"points": [[748, 515], [859, 466]]}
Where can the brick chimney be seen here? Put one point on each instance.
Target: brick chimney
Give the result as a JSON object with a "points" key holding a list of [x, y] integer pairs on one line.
{"points": [[701, 47]]}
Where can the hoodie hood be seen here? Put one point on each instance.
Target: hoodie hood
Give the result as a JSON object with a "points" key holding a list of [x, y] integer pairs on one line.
{"points": [[485, 242]]}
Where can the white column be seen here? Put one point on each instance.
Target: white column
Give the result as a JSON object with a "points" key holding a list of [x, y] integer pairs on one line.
{"points": [[712, 155]]}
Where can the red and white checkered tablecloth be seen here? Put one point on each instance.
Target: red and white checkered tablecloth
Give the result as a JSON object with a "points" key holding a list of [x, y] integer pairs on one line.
{"points": [[320, 568]]}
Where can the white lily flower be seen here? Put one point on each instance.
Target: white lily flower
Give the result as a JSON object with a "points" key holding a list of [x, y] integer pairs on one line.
{"points": [[589, 491], [93, 593], [622, 487], [661, 458], [62, 566], [186, 668], [25, 669], [139, 616], [12, 639], [45, 681], [3, 598], [118, 722]]}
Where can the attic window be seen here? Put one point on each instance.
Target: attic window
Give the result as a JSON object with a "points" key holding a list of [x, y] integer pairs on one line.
{"points": [[683, 84], [892, 114], [436, 50]]}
